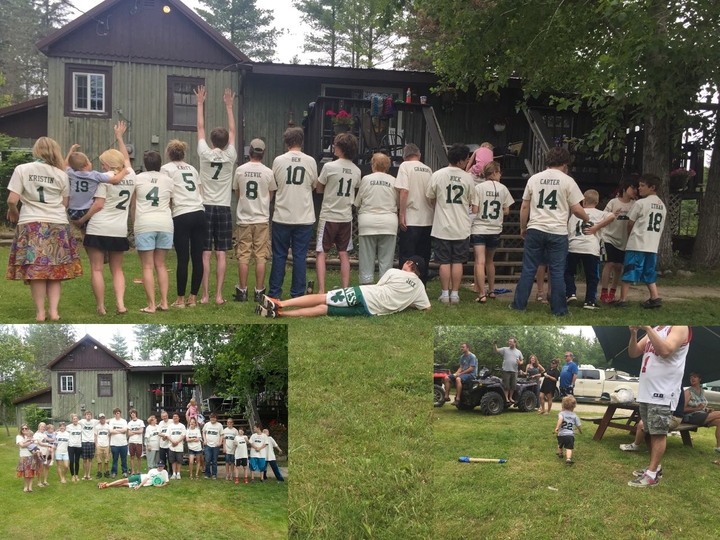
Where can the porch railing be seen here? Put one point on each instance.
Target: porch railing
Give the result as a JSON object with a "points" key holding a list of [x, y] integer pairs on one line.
{"points": [[539, 145]]}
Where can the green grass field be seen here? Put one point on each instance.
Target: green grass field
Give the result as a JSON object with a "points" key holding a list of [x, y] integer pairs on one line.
{"points": [[78, 304], [202, 509], [535, 495]]}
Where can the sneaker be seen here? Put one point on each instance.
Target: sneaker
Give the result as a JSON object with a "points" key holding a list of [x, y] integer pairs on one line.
{"points": [[632, 447], [206, 477], [718, 449], [652, 303], [590, 305], [241, 295], [214, 477], [114, 475], [310, 287], [572, 298], [269, 303], [98, 475], [264, 312], [124, 475], [444, 299], [246, 481], [604, 298], [644, 481], [178, 476], [569, 462], [641, 472], [237, 480], [620, 304], [454, 299], [259, 295], [560, 455], [107, 474], [455, 403]]}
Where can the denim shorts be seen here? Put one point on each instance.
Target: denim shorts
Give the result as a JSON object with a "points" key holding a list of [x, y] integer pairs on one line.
{"points": [[153, 240], [195, 452], [490, 241], [62, 457]]}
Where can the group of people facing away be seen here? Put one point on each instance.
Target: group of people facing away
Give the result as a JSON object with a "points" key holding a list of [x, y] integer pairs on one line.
{"points": [[163, 443]]}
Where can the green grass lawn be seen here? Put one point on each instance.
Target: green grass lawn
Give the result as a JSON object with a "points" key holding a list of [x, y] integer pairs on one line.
{"points": [[78, 304], [202, 509], [589, 500]]}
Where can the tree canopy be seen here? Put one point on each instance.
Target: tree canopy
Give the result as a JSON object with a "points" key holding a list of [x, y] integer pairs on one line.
{"points": [[18, 375]]}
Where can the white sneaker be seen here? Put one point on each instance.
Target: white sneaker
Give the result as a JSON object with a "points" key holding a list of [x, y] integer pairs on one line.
{"points": [[178, 476], [632, 447], [454, 299], [444, 299]]}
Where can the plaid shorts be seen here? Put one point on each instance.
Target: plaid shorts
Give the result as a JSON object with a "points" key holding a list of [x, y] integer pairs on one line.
{"points": [[88, 450], [219, 228]]}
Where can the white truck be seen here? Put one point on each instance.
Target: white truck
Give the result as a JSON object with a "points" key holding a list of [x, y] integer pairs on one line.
{"points": [[592, 382]]}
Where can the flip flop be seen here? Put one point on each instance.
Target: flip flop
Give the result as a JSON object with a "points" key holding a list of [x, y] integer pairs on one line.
{"points": [[162, 309], [491, 296], [541, 298], [191, 304], [179, 305], [124, 312], [221, 303], [481, 299], [146, 310]]}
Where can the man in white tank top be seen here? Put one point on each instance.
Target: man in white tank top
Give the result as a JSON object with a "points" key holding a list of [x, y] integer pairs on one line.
{"points": [[664, 351]]}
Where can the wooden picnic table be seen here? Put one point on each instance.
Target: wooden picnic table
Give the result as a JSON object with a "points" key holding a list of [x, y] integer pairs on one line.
{"points": [[610, 420]]}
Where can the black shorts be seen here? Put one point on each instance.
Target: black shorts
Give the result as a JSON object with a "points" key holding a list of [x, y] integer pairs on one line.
{"points": [[452, 251], [175, 457], [613, 254], [107, 243], [241, 462], [88, 450], [219, 228], [567, 391], [566, 441]]}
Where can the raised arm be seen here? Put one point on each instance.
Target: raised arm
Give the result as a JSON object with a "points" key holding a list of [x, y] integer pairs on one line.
{"points": [[120, 129], [200, 94], [72, 150], [229, 99], [665, 347], [635, 347]]}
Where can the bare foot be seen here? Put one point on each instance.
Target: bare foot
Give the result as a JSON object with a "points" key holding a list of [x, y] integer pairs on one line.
{"points": [[219, 301], [147, 310], [204, 299]]}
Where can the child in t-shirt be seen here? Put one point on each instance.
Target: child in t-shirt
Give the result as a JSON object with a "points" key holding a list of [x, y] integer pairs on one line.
{"points": [[615, 238], [241, 456], [192, 411], [270, 457], [584, 247], [565, 429], [84, 182], [479, 158], [50, 439], [646, 221]]}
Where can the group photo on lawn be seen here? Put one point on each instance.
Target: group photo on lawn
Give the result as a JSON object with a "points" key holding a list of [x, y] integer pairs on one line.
{"points": [[198, 410]]}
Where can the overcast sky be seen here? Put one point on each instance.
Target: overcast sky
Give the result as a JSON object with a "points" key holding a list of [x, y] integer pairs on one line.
{"points": [[287, 20]]}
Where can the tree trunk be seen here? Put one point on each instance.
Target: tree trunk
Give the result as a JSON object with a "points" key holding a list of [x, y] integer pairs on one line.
{"points": [[656, 160], [706, 252]]}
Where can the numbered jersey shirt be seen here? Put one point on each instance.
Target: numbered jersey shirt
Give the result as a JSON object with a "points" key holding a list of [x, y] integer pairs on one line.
{"points": [[569, 421], [454, 191], [414, 176], [153, 193], [551, 194], [395, 291], [661, 378], [491, 199], [41, 188], [649, 217], [83, 185], [216, 173], [186, 195], [112, 220], [296, 177], [254, 183], [376, 202], [616, 233], [340, 178], [588, 244]]}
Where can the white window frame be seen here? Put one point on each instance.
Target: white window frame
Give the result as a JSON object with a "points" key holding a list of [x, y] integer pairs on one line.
{"points": [[88, 76], [64, 379]]}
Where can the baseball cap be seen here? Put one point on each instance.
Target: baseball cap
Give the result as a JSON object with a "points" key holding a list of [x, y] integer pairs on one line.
{"points": [[419, 263], [257, 145], [101, 415], [160, 464]]}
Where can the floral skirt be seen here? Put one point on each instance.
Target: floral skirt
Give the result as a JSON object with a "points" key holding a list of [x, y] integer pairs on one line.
{"points": [[26, 467], [43, 251]]}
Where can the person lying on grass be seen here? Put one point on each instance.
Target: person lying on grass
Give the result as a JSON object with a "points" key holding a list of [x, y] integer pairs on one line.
{"points": [[137, 481], [396, 290]]}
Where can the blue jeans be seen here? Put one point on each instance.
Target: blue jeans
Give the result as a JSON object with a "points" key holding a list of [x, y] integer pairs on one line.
{"points": [[122, 452], [542, 247], [211, 458], [285, 237], [591, 266], [275, 469]]}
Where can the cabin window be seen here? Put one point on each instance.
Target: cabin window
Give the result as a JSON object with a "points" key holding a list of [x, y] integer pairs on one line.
{"points": [[88, 90], [66, 383], [182, 103], [105, 386]]}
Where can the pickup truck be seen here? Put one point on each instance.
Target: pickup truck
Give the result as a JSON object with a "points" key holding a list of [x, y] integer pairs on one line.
{"points": [[592, 382]]}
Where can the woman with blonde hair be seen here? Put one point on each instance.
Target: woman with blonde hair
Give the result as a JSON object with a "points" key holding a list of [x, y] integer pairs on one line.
{"points": [[188, 215], [44, 252], [376, 201], [107, 229]]}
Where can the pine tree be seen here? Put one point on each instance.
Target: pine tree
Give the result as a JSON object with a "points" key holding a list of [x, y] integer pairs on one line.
{"points": [[47, 341], [118, 345], [324, 18], [248, 27]]}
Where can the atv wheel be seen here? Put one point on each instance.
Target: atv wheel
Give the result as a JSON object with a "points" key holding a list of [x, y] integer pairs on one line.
{"points": [[528, 401], [438, 395], [492, 404]]}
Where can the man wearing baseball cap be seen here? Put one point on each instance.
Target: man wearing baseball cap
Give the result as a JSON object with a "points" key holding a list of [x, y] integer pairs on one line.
{"points": [[396, 290], [255, 186]]}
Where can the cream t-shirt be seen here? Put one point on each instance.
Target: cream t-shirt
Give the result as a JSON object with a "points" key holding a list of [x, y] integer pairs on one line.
{"points": [[112, 220], [454, 191], [491, 199], [551, 194], [376, 202], [649, 216], [296, 177], [186, 188], [41, 188], [340, 178], [414, 176], [153, 193], [216, 173], [578, 242], [255, 183], [616, 233], [396, 290]]}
